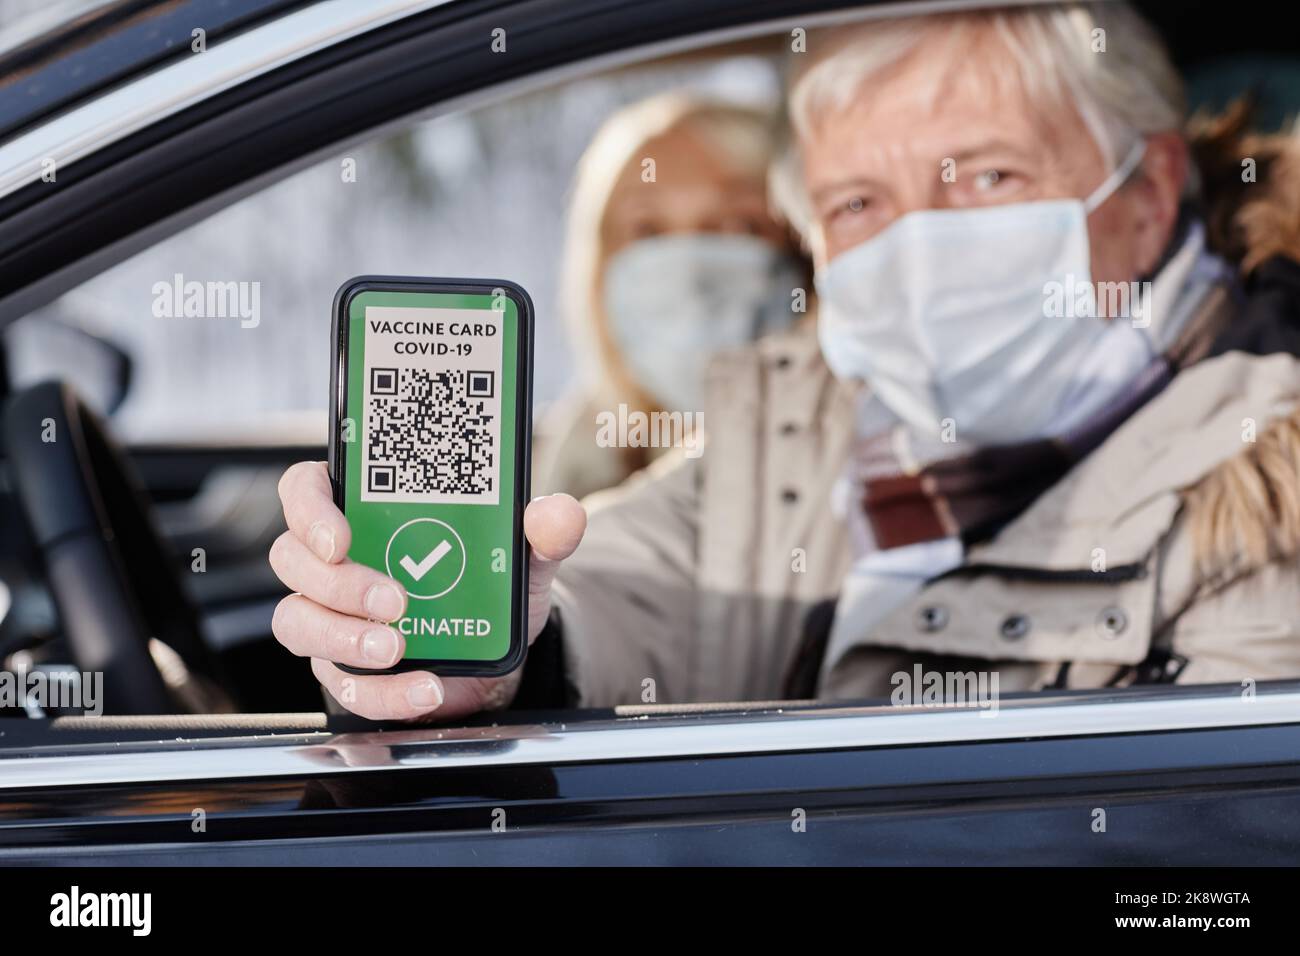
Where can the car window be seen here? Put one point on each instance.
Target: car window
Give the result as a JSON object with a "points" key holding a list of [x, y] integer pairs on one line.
{"points": [[471, 193], [882, 373]]}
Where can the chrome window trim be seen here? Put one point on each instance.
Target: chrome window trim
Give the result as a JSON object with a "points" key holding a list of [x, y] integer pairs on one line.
{"points": [[637, 738], [83, 130]]}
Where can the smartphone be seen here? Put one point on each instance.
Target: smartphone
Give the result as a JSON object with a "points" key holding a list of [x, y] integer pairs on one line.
{"points": [[430, 434]]}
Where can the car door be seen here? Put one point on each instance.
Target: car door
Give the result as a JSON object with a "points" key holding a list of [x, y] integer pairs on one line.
{"points": [[1204, 777]]}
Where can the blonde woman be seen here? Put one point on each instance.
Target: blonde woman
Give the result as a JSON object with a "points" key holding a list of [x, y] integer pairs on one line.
{"points": [[672, 256]]}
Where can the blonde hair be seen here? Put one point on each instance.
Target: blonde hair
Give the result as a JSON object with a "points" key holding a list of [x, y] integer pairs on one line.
{"points": [[745, 137], [1129, 90]]}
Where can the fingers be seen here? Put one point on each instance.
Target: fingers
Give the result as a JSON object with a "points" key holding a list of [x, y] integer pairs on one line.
{"points": [[348, 588], [553, 525], [309, 630], [310, 512], [382, 697], [324, 620]]}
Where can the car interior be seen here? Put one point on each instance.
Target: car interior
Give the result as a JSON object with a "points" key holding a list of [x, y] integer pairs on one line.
{"points": [[180, 430]]}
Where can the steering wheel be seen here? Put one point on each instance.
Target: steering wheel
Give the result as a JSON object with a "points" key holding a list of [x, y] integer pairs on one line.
{"points": [[111, 577]]}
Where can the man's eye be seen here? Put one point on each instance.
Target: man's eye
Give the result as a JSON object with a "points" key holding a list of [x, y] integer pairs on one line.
{"points": [[852, 206], [989, 178]]}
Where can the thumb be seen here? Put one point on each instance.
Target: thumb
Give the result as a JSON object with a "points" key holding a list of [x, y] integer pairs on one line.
{"points": [[553, 526]]}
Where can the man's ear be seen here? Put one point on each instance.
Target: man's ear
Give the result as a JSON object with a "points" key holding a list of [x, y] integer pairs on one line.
{"points": [[1157, 194]]}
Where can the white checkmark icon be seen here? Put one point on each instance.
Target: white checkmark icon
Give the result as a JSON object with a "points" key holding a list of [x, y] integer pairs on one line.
{"points": [[419, 570]]}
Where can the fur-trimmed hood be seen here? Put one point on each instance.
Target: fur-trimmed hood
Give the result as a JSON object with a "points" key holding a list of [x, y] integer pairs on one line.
{"points": [[1251, 188], [1246, 512]]}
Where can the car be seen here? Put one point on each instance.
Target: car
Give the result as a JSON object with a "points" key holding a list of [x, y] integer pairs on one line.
{"points": [[120, 132]]}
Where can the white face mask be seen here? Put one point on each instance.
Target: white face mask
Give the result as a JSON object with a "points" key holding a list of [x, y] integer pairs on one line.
{"points": [[942, 314], [674, 301]]}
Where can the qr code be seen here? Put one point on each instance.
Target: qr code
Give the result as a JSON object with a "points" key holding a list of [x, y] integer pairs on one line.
{"points": [[432, 434]]}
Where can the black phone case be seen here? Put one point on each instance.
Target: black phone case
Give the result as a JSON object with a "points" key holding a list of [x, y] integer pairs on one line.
{"points": [[523, 452]]}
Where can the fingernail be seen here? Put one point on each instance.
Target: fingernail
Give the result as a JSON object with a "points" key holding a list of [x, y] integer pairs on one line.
{"points": [[379, 646], [321, 540], [425, 695], [384, 602]]}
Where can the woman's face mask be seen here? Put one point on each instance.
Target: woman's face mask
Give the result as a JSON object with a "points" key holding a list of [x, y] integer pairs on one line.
{"points": [[945, 315], [674, 301]]}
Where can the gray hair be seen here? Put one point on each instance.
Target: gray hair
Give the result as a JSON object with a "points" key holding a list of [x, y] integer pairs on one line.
{"points": [[1101, 58]]}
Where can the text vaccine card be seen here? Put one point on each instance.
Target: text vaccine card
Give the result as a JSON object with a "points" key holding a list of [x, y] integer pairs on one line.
{"points": [[433, 406], [430, 489]]}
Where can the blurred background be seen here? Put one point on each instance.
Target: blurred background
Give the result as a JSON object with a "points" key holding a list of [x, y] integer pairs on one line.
{"points": [[476, 193]]}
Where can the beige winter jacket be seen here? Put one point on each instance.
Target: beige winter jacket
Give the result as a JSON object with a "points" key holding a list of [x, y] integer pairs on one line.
{"points": [[689, 576]]}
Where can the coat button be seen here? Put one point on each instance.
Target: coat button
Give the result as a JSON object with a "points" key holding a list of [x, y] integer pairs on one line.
{"points": [[789, 496], [1014, 627], [789, 428], [933, 617], [1111, 622], [783, 362]]}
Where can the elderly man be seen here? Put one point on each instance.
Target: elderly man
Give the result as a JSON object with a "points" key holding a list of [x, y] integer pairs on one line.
{"points": [[1042, 429]]}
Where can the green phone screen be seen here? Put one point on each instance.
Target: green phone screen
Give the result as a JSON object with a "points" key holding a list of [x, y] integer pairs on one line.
{"points": [[430, 482]]}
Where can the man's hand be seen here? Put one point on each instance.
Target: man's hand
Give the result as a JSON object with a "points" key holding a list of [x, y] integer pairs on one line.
{"points": [[341, 609]]}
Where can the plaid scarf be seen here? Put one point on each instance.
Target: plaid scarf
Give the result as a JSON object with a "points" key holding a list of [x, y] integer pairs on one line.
{"points": [[971, 494]]}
